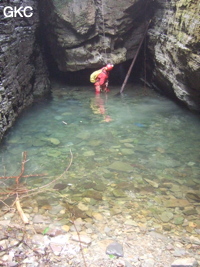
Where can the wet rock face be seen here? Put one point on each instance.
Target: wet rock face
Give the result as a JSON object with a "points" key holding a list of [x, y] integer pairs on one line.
{"points": [[79, 32], [22, 68], [174, 47]]}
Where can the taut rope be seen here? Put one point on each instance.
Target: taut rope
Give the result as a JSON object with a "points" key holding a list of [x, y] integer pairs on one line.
{"points": [[104, 36]]}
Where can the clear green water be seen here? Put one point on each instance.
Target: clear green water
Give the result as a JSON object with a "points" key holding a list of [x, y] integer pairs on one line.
{"points": [[148, 136]]}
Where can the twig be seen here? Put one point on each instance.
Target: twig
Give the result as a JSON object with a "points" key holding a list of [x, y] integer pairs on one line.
{"points": [[41, 188], [17, 190], [21, 241], [21, 175], [9, 208], [80, 244]]}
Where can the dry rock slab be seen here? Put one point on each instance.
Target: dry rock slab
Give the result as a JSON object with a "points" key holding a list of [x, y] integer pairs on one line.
{"points": [[115, 249], [185, 262]]}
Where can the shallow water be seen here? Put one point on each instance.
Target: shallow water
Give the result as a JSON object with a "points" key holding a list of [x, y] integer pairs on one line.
{"points": [[136, 155]]}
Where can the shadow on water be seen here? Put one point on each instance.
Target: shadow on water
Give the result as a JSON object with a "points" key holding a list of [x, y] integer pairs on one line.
{"points": [[139, 149]]}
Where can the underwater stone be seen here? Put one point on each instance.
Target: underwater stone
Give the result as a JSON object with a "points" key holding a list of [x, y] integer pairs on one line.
{"points": [[175, 202], [154, 184], [128, 140], [60, 186], [178, 220], [128, 145], [121, 166], [166, 216], [83, 135], [89, 153], [193, 197], [36, 143], [54, 141], [53, 153], [100, 187], [118, 193], [127, 151], [189, 211], [95, 143], [82, 206], [92, 194]]}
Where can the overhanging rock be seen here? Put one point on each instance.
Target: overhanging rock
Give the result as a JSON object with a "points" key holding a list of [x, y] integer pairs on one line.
{"points": [[83, 34]]}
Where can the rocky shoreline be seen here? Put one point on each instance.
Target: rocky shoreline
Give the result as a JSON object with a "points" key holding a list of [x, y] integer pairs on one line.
{"points": [[52, 240]]}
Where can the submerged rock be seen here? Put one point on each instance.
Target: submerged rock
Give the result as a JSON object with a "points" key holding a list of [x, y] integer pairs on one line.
{"points": [[178, 220], [121, 166], [60, 186], [175, 202], [93, 194], [53, 141], [118, 193], [154, 184], [89, 153], [166, 216], [127, 151], [193, 197], [83, 135]]}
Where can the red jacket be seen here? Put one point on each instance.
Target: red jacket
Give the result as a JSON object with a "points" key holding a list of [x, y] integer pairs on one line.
{"points": [[103, 77]]}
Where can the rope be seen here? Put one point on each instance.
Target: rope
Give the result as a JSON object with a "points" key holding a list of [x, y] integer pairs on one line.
{"points": [[104, 36]]}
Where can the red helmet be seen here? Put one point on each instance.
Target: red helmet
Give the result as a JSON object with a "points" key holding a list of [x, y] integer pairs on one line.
{"points": [[109, 67]]}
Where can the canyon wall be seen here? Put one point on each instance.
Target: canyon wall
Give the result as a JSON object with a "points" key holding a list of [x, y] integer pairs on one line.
{"points": [[23, 73], [174, 45], [87, 33]]}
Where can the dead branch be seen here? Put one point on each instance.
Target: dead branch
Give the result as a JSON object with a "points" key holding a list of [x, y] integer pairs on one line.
{"points": [[21, 212], [21, 175], [80, 244], [42, 188], [16, 245], [19, 191]]}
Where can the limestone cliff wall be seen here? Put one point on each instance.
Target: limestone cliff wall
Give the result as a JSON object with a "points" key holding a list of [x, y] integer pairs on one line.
{"points": [[174, 44], [83, 34], [23, 73]]}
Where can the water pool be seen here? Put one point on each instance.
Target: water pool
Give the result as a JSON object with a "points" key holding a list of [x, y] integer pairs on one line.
{"points": [[135, 155]]}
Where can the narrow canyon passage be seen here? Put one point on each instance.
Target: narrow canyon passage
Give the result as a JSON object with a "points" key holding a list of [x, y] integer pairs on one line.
{"points": [[91, 179]]}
